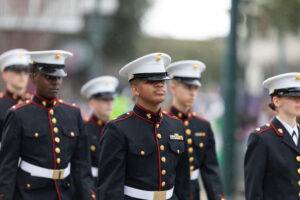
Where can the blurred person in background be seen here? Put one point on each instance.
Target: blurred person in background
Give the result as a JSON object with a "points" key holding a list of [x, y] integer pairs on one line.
{"points": [[14, 66], [100, 93], [199, 135], [272, 161], [44, 141], [142, 153]]}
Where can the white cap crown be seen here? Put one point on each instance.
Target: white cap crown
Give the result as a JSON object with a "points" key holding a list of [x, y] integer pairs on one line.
{"points": [[14, 57], [282, 81], [148, 64], [102, 84]]}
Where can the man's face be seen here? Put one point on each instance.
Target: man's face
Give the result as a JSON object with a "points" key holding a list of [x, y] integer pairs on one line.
{"points": [[17, 80], [46, 86], [183, 93], [288, 105], [101, 107], [150, 91]]}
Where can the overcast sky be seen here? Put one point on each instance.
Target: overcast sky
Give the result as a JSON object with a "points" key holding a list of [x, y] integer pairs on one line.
{"points": [[188, 19]]}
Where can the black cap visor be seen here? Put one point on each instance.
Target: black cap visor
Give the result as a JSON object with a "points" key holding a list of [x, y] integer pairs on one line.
{"points": [[105, 96], [51, 69], [287, 92], [151, 76], [189, 81]]}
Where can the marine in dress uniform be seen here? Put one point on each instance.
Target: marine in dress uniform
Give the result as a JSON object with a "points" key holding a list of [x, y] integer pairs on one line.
{"points": [[272, 161], [142, 153], [14, 66], [100, 94], [46, 137], [200, 140]]}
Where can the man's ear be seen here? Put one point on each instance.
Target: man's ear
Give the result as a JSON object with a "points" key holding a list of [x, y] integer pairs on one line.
{"points": [[276, 101], [32, 77], [172, 87], [4, 76]]}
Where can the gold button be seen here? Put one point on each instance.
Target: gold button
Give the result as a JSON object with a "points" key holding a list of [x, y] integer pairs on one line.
{"points": [[158, 135], [99, 122], [201, 145], [44, 103], [192, 168], [93, 148], [72, 134], [298, 170], [178, 151], [163, 184], [58, 160], [163, 172], [298, 158], [188, 131], [190, 149], [191, 159], [163, 159], [148, 115], [186, 123], [54, 102], [189, 141], [36, 135], [157, 125], [142, 152], [179, 115], [298, 183], [28, 185], [54, 120], [56, 139], [55, 129], [51, 111], [57, 150], [93, 196], [162, 147], [299, 194]]}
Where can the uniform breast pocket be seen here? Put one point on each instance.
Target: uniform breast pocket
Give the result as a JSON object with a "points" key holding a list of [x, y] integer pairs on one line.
{"points": [[140, 155], [176, 146], [35, 137], [69, 138]]}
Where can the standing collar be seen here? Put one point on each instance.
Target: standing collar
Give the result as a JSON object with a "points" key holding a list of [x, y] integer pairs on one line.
{"points": [[179, 114], [45, 102], [97, 121], [288, 127], [147, 114]]}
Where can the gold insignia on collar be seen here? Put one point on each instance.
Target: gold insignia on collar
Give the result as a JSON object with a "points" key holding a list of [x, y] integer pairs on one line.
{"points": [[176, 136], [148, 115], [280, 130]]}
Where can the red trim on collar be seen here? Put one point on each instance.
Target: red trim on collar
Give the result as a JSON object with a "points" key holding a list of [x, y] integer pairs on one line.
{"points": [[275, 129], [148, 111]]}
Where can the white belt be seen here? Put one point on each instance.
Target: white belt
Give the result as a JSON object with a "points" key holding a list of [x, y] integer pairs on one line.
{"points": [[148, 195], [44, 172], [194, 174], [94, 171]]}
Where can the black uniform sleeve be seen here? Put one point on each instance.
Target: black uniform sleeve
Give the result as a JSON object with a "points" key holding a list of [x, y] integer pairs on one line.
{"points": [[9, 156], [111, 174], [81, 165], [210, 170], [254, 166], [182, 179]]}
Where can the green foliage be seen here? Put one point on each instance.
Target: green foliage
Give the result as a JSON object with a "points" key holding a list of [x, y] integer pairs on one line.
{"points": [[282, 15], [121, 39]]}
